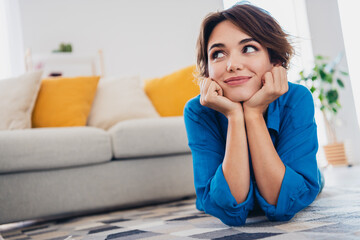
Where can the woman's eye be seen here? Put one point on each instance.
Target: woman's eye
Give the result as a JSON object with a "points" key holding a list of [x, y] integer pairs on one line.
{"points": [[249, 49], [217, 55]]}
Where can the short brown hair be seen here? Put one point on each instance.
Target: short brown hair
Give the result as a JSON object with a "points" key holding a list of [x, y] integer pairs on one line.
{"points": [[255, 22]]}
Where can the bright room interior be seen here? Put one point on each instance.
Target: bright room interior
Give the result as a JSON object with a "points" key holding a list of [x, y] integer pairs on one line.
{"points": [[115, 158]]}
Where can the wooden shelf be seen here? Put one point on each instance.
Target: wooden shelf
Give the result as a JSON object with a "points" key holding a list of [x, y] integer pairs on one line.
{"points": [[68, 64]]}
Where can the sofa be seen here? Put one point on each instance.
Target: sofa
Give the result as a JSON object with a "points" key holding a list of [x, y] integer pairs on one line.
{"points": [[55, 172]]}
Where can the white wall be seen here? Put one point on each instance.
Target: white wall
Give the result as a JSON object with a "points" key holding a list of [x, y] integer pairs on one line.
{"points": [[349, 15], [146, 38], [327, 39], [11, 44]]}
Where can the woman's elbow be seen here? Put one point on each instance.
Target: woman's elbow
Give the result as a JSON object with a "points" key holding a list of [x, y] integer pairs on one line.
{"points": [[231, 219], [281, 217]]}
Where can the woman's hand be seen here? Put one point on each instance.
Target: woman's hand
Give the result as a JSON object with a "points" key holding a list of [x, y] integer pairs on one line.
{"points": [[275, 84], [212, 96]]}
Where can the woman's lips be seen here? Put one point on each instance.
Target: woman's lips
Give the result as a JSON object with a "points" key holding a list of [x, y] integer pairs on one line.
{"points": [[233, 81]]}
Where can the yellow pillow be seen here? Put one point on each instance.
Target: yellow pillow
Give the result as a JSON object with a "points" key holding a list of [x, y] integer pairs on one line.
{"points": [[170, 93], [64, 102]]}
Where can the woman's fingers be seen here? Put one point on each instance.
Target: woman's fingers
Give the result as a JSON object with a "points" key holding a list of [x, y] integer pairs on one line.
{"points": [[268, 82], [282, 83], [217, 88], [212, 92], [212, 96], [277, 79], [285, 84], [208, 90], [207, 85], [201, 84], [204, 85], [279, 75]]}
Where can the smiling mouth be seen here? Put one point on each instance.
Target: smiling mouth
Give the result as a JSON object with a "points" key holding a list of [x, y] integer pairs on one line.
{"points": [[237, 80]]}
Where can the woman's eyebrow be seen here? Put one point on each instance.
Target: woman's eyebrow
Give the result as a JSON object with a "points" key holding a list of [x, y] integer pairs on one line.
{"points": [[220, 45], [246, 40], [216, 45]]}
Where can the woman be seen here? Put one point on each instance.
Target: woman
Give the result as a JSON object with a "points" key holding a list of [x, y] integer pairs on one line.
{"points": [[252, 133]]}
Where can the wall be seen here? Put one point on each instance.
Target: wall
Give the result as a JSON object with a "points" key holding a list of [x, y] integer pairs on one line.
{"points": [[327, 39], [11, 40], [146, 38], [349, 15]]}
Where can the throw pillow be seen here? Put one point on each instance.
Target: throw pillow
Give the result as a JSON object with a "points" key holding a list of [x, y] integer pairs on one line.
{"points": [[119, 99], [18, 96], [64, 102], [169, 94]]}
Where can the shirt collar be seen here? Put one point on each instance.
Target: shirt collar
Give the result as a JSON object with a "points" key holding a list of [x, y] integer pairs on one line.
{"points": [[273, 116]]}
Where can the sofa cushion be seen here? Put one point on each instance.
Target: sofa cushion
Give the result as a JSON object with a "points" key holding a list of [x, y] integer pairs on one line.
{"points": [[149, 137], [64, 102], [48, 148], [170, 93], [118, 99], [18, 97]]}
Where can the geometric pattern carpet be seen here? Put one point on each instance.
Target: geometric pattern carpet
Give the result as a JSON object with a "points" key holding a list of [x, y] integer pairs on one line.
{"points": [[335, 214]]}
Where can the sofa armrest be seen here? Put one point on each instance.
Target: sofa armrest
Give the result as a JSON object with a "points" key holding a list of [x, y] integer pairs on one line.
{"points": [[53, 148]]}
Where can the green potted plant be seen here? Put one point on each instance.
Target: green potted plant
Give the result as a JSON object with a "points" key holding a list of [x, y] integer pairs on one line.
{"points": [[63, 47], [324, 81]]}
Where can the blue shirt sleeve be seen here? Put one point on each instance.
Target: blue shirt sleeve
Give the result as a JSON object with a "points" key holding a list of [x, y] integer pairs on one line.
{"points": [[297, 146], [207, 146]]}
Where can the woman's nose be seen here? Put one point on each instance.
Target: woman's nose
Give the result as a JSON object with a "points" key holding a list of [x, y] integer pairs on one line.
{"points": [[234, 64]]}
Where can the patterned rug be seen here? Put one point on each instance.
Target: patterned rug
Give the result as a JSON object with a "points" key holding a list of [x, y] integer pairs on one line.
{"points": [[334, 215]]}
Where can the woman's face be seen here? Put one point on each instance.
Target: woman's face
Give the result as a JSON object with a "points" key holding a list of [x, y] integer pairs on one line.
{"points": [[236, 61]]}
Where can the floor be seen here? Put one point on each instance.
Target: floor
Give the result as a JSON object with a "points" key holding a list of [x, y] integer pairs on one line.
{"points": [[335, 214]]}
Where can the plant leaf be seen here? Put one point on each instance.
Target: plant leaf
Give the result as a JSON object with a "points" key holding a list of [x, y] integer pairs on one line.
{"points": [[322, 74], [316, 68], [341, 83], [344, 73], [332, 96], [329, 78], [312, 89]]}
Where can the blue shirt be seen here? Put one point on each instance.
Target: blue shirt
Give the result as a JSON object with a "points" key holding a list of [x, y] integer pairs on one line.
{"points": [[291, 125]]}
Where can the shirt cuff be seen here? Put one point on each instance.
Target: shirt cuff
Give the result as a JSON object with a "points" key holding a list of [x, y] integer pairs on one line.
{"points": [[223, 196], [292, 187]]}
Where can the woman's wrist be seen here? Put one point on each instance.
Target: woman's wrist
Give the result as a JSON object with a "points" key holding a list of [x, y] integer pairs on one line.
{"points": [[235, 115], [252, 114]]}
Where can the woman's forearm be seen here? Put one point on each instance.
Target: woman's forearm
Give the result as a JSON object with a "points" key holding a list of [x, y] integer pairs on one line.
{"points": [[236, 161], [268, 168]]}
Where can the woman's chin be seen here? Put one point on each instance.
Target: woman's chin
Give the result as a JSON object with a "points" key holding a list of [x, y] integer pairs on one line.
{"points": [[238, 98], [240, 95]]}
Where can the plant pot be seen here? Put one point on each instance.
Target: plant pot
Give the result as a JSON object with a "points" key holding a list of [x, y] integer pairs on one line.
{"points": [[335, 154]]}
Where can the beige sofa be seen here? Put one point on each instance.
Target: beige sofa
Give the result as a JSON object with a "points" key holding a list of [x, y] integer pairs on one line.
{"points": [[57, 172]]}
